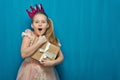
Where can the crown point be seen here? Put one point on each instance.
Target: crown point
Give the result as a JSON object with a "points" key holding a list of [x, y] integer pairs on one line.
{"points": [[42, 10], [35, 10]]}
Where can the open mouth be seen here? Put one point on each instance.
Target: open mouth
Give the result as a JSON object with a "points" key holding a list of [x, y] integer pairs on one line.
{"points": [[40, 29]]}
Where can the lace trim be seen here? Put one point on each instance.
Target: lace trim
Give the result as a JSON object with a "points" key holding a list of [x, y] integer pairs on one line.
{"points": [[28, 35]]}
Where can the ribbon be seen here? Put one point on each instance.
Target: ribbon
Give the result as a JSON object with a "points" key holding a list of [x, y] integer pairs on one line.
{"points": [[46, 53]]}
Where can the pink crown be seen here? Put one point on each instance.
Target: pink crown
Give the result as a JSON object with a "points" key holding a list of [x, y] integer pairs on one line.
{"points": [[38, 8]]}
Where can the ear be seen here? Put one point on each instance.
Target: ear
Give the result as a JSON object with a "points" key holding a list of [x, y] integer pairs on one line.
{"points": [[31, 25]]}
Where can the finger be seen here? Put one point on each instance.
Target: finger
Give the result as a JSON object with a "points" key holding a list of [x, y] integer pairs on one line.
{"points": [[44, 37], [40, 36], [41, 62]]}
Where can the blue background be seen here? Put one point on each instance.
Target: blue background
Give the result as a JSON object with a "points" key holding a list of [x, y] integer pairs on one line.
{"points": [[89, 31]]}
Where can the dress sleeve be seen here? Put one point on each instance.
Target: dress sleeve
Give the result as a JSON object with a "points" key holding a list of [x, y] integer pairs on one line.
{"points": [[59, 43], [27, 34]]}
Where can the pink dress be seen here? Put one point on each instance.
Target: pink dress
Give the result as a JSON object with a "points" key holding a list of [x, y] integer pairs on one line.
{"points": [[32, 70]]}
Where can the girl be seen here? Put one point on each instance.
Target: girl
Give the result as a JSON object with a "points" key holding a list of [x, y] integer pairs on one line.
{"points": [[32, 69]]}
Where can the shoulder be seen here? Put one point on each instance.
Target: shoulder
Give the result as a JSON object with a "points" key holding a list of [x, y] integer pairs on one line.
{"points": [[27, 33], [27, 37]]}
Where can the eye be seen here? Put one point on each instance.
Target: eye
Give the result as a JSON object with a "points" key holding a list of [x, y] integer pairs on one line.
{"points": [[36, 22], [43, 21]]}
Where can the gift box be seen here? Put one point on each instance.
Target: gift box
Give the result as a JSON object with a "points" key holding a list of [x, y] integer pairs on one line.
{"points": [[46, 51]]}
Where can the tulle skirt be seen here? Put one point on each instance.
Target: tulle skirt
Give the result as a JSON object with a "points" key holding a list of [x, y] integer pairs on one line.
{"points": [[32, 70]]}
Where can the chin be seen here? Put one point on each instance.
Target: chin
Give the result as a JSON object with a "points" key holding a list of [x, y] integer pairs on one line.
{"points": [[40, 34]]}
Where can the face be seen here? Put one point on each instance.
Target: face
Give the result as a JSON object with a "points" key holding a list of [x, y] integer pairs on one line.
{"points": [[39, 24]]}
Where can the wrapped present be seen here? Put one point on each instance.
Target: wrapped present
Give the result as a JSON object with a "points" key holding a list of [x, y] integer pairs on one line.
{"points": [[46, 51]]}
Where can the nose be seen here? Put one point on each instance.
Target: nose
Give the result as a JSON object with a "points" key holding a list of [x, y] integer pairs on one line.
{"points": [[40, 24]]}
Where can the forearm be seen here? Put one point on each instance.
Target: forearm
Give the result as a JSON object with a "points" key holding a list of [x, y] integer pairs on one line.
{"points": [[59, 59], [29, 50]]}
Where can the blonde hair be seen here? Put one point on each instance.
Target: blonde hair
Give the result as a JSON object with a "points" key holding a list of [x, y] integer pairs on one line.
{"points": [[50, 34]]}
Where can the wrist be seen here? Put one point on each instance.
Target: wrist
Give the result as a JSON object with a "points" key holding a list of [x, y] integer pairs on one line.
{"points": [[54, 63], [39, 44]]}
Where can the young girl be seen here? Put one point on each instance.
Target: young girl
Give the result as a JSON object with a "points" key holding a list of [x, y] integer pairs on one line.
{"points": [[32, 69]]}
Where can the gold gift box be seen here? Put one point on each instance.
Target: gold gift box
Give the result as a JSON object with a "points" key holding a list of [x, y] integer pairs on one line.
{"points": [[46, 51]]}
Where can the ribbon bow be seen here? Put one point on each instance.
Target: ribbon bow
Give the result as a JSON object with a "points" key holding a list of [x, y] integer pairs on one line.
{"points": [[46, 53]]}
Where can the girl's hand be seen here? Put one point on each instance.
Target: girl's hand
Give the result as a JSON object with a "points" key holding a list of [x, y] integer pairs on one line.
{"points": [[42, 39], [47, 63]]}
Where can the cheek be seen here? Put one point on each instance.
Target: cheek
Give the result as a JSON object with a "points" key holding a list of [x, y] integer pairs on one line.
{"points": [[44, 29]]}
